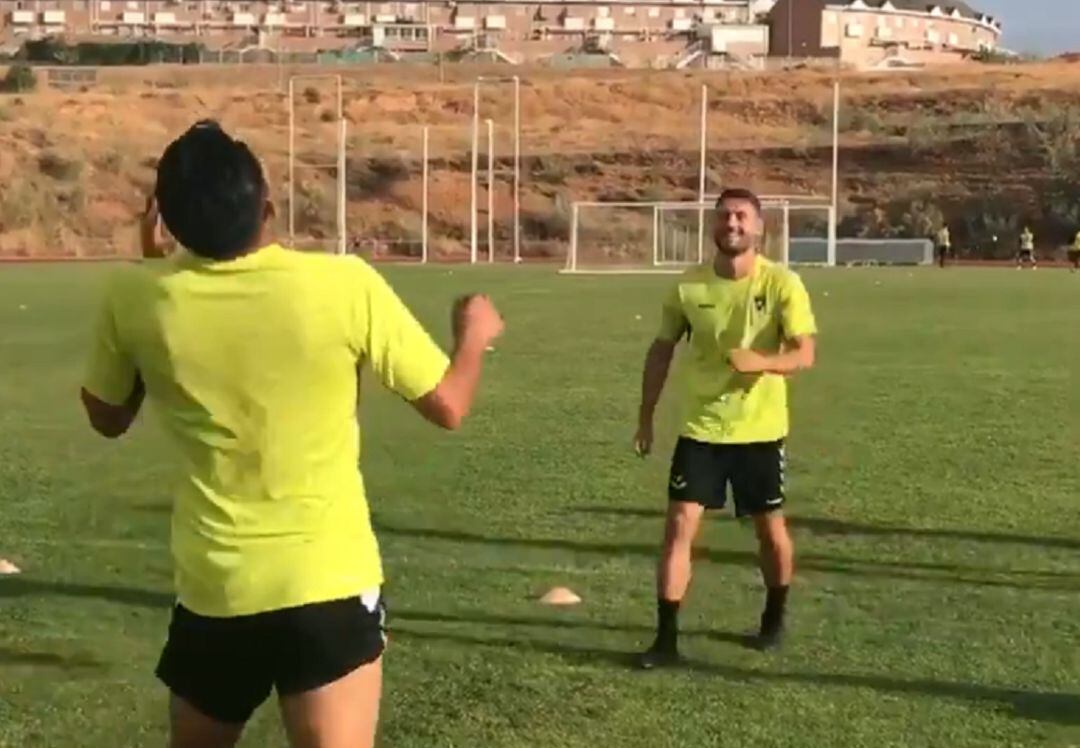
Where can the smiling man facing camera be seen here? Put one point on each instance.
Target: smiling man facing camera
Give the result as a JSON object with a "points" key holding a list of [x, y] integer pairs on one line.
{"points": [[249, 352], [748, 323]]}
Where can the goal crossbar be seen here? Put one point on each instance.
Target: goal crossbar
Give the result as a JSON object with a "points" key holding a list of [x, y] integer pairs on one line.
{"points": [[669, 235]]}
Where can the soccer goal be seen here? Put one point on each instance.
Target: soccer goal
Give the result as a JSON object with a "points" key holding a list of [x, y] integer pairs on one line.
{"points": [[657, 237]]}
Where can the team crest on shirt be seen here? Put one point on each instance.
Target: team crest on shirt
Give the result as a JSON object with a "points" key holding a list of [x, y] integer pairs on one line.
{"points": [[759, 303]]}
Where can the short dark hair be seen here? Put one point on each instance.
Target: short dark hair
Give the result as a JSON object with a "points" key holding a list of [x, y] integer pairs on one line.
{"points": [[740, 193], [211, 192]]}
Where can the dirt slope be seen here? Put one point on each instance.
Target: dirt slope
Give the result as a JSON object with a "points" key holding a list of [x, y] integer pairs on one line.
{"points": [[76, 164]]}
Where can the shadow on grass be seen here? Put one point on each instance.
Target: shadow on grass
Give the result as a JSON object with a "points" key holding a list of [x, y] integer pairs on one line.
{"points": [[554, 623], [826, 526], [1051, 707], [906, 570], [24, 587], [9, 656]]}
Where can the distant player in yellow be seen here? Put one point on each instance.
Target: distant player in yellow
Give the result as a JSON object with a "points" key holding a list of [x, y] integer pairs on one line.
{"points": [[1074, 253], [249, 351], [1027, 249], [748, 323], [944, 245]]}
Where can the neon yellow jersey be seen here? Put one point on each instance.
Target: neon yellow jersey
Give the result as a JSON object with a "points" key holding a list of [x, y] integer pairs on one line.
{"points": [[1027, 240], [1076, 241], [759, 311], [251, 365]]}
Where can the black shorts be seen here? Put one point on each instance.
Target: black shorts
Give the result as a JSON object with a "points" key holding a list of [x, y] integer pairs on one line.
{"points": [[226, 667], [700, 473], [1026, 254], [1073, 255]]}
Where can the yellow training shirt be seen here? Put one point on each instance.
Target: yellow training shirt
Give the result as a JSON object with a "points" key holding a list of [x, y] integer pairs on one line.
{"points": [[759, 311], [251, 365]]}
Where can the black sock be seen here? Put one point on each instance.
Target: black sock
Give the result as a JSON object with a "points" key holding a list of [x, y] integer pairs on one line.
{"points": [[775, 601], [667, 622]]}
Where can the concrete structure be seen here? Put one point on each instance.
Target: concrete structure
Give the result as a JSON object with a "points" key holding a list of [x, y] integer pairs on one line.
{"points": [[874, 33], [656, 33]]}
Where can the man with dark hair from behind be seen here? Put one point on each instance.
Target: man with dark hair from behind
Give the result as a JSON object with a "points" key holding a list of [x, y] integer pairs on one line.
{"points": [[250, 352], [748, 324]]}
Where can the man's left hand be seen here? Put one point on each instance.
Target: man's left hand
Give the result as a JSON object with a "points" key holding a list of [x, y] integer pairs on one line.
{"points": [[746, 361]]}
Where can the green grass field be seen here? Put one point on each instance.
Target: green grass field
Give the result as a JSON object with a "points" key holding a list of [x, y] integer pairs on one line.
{"points": [[934, 494]]}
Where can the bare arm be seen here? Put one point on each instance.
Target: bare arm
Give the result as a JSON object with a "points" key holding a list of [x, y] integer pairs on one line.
{"points": [[450, 402], [657, 365], [798, 354], [476, 323], [112, 421]]}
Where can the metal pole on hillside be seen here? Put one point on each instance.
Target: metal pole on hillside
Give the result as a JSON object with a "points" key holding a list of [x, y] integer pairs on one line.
{"points": [[424, 198], [517, 169], [292, 166], [517, 160], [491, 190], [343, 233], [835, 174], [475, 164], [701, 172], [573, 237]]}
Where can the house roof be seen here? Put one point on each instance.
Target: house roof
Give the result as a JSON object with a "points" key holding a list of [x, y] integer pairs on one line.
{"points": [[924, 6]]}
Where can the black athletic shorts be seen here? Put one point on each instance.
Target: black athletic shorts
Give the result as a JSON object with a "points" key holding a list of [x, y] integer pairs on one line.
{"points": [[226, 667], [1073, 255], [700, 473]]}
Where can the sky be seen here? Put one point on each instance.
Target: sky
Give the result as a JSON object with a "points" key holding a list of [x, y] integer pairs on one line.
{"points": [[1041, 26]]}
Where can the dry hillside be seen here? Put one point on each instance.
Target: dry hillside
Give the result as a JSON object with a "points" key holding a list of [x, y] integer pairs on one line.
{"points": [[977, 143]]}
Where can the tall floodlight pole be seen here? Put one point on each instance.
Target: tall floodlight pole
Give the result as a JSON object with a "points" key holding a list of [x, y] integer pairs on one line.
{"points": [[341, 216], [517, 169], [835, 174], [424, 197], [292, 166], [701, 172], [491, 190], [475, 165]]}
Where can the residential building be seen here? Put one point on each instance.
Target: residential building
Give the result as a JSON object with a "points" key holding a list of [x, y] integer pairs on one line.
{"points": [[654, 33], [872, 33]]}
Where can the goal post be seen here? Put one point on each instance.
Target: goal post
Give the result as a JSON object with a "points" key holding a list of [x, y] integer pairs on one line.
{"points": [[658, 237]]}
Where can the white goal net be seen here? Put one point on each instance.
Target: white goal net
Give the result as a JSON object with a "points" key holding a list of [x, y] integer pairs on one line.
{"points": [[629, 237]]}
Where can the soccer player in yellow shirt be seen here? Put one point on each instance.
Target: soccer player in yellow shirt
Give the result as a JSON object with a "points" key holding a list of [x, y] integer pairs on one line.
{"points": [[1074, 253], [249, 352], [943, 243], [1027, 250], [748, 323]]}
